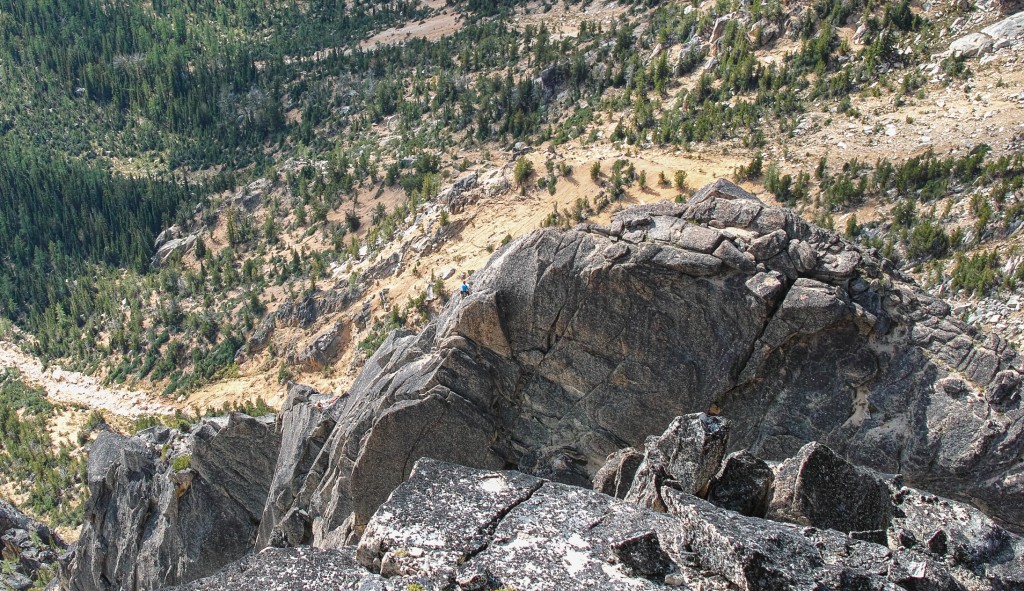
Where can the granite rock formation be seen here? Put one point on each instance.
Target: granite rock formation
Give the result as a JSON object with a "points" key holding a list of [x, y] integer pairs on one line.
{"points": [[168, 507], [575, 344], [27, 548], [454, 528]]}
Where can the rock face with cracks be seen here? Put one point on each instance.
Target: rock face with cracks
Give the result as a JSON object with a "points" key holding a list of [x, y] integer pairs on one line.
{"points": [[166, 507], [455, 528], [743, 484], [818, 488], [27, 547], [574, 344], [684, 458]]}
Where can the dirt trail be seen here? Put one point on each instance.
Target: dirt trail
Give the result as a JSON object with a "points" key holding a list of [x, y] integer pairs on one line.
{"points": [[74, 388]]}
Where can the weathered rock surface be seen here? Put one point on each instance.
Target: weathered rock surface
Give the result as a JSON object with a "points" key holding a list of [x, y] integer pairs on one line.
{"points": [[303, 426], [148, 525], [27, 546], [819, 488], [752, 553], [684, 458], [575, 344], [309, 569], [177, 245], [958, 535], [993, 37], [743, 484], [451, 527], [616, 476]]}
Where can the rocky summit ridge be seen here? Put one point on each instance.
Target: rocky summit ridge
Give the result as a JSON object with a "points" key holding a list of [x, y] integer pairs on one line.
{"points": [[573, 349]]}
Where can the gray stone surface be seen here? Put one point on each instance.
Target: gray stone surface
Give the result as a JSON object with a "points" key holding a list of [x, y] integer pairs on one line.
{"points": [[993, 37], [769, 245], [303, 426], [485, 530], [971, 45], [455, 528], [685, 458], [744, 485], [766, 286], [616, 476], [752, 553], [819, 488], [27, 546], [575, 344], [148, 526], [958, 534], [308, 569], [699, 238]]}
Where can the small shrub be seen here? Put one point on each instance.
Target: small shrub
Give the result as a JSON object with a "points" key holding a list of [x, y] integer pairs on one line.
{"points": [[145, 422], [182, 463]]}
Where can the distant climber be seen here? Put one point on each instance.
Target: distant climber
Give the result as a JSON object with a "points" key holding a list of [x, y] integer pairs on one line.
{"points": [[465, 288]]}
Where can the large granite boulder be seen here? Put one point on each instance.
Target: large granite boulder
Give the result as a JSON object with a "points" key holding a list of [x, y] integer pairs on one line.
{"points": [[819, 488], [744, 484], [167, 507], [575, 344], [685, 458]]}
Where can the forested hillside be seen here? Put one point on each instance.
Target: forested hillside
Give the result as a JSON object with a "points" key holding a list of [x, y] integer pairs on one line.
{"points": [[291, 147]]}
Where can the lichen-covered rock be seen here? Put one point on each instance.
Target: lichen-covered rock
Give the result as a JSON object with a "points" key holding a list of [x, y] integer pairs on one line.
{"points": [[488, 530], [503, 529], [162, 514], [744, 485], [958, 534], [407, 537], [684, 458], [309, 569], [754, 554], [455, 528], [819, 488]]}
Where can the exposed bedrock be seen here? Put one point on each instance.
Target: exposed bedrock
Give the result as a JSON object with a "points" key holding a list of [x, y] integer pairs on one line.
{"points": [[168, 507], [575, 344]]}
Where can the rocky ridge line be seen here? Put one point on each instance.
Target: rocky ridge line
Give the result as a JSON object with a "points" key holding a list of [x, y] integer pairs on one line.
{"points": [[577, 344], [570, 339], [450, 527]]}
